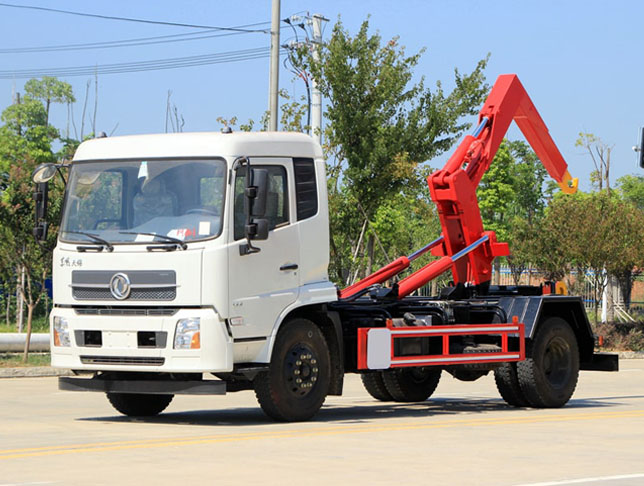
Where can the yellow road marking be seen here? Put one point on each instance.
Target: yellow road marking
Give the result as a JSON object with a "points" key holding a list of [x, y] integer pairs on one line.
{"points": [[308, 432]]}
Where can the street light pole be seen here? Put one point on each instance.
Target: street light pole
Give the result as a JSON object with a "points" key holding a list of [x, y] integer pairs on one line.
{"points": [[273, 90]]}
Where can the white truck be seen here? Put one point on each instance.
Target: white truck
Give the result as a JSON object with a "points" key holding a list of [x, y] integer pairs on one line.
{"points": [[197, 263]]}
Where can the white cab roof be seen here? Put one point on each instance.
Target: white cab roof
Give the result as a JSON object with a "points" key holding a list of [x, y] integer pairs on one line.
{"points": [[200, 144]]}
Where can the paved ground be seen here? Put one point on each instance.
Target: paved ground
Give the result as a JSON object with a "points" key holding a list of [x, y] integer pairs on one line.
{"points": [[464, 436]]}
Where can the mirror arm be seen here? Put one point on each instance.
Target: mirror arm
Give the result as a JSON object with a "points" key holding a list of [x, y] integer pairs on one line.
{"points": [[60, 172]]}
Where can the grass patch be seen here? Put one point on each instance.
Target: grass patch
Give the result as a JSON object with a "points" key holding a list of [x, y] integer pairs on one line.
{"points": [[39, 324], [14, 360]]}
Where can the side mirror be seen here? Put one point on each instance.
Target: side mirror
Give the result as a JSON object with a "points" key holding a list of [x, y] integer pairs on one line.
{"points": [[256, 192], [255, 195], [41, 197], [43, 173]]}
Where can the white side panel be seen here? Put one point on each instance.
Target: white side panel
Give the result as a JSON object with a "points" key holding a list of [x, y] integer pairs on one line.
{"points": [[379, 349], [318, 293]]}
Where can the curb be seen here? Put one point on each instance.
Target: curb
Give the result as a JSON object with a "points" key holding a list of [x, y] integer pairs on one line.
{"points": [[32, 372], [631, 354]]}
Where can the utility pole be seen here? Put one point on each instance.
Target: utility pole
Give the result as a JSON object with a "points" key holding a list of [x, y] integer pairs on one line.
{"points": [[316, 96], [273, 90]]}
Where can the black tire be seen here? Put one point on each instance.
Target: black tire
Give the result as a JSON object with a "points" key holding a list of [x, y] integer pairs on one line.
{"points": [[507, 382], [549, 374], [374, 383], [411, 384], [300, 353], [139, 405]]}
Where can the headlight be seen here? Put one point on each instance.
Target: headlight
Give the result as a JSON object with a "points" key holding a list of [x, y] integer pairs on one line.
{"points": [[61, 332], [187, 334]]}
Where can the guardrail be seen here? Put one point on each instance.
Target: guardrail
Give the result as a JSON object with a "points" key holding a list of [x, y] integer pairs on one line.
{"points": [[15, 342]]}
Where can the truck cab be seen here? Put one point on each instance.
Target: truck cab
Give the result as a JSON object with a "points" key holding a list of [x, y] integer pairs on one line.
{"points": [[149, 272]]}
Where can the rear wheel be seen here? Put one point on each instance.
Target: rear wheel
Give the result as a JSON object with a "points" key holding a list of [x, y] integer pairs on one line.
{"points": [[507, 382], [548, 377], [411, 384], [296, 384], [374, 383], [139, 404]]}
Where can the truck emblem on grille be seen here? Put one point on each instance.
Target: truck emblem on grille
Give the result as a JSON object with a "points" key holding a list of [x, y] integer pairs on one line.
{"points": [[120, 286]]}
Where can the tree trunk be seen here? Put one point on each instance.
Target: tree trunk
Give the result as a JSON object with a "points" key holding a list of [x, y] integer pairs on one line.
{"points": [[7, 316], [497, 272], [625, 280], [370, 254], [610, 298], [30, 313]]}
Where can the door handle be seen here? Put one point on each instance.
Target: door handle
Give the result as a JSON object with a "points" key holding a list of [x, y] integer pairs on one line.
{"points": [[289, 266]]}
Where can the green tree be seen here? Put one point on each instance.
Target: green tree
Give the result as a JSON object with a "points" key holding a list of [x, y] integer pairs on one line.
{"points": [[381, 126], [597, 231], [49, 90], [599, 152], [25, 141]]}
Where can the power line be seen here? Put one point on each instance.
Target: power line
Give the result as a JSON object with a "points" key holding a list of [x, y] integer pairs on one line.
{"points": [[128, 19], [140, 66], [141, 41]]}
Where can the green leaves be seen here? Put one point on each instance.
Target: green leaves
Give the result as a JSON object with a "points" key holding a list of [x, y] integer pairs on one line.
{"points": [[381, 127]]}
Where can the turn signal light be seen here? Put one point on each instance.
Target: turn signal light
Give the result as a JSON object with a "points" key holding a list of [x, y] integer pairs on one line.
{"points": [[195, 342]]}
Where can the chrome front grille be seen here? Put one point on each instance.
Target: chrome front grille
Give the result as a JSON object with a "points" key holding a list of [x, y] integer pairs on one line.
{"points": [[140, 285], [84, 293], [123, 360], [126, 311]]}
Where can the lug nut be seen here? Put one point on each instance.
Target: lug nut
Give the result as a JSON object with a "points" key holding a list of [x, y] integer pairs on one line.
{"points": [[308, 356], [315, 370], [296, 372], [314, 378], [298, 380], [313, 361], [298, 363], [303, 356]]}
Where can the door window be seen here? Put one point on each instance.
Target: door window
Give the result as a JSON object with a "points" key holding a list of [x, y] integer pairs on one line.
{"points": [[276, 199]]}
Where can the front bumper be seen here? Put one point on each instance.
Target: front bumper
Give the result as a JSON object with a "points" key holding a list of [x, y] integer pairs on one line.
{"points": [[121, 349]]}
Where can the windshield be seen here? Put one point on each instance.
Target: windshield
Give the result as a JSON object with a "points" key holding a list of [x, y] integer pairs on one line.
{"points": [[131, 201]]}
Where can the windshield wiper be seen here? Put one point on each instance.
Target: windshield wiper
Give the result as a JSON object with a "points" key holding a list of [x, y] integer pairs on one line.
{"points": [[167, 239], [93, 237]]}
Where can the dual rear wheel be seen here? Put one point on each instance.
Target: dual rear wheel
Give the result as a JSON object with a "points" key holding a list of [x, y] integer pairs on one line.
{"points": [[548, 377], [402, 384]]}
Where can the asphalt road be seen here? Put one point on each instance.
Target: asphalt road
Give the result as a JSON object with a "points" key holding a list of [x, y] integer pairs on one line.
{"points": [[465, 435]]}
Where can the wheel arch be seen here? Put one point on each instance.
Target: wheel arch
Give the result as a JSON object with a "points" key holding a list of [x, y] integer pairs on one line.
{"points": [[573, 312], [329, 324]]}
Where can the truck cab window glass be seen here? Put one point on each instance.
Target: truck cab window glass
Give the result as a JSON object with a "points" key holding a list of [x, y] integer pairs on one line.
{"points": [[96, 201], [120, 200], [276, 203]]}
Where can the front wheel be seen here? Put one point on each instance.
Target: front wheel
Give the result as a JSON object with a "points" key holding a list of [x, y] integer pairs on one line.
{"points": [[139, 404], [548, 377], [297, 381]]}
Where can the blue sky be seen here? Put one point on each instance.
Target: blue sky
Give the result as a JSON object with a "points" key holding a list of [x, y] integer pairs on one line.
{"points": [[581, 62]]}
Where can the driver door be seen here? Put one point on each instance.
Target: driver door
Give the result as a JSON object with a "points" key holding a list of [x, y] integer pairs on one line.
{"points": [[263, 284]]}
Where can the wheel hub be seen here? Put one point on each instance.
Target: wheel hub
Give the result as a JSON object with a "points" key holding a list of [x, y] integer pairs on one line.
{"points": [[301, 369]]}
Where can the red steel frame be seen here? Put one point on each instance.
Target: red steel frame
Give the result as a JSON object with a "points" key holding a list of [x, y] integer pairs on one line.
{"points": [[453, 190], [505, 331]]}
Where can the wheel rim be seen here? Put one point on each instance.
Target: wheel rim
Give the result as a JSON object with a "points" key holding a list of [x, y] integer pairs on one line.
{"points": [[419, 375], [301, 369], [557, 362]]}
